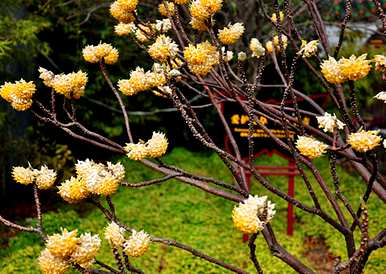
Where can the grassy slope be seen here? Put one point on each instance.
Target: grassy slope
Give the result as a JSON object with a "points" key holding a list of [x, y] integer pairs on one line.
{"points": [[178, 211]]}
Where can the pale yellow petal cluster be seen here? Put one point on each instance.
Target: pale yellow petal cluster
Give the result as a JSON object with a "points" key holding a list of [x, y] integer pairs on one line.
{"points": [[71, 85], [166, 9], [64, 244], [137, 244], [204, 9], [274, 17], [140, 81], [163, 49], [198, 24], [274, 45], [114, 234], [310, 147], [256, 48], [380, 62], [50, 264], [230, 34], [22, 175], [354, 68], [201, 58], [242, 56], [102, 52], [45, 177], [329, 122], [330, 69], [18, 94], [308, 49], [123, 29], [381, 96], [363, 140], [123, 10], [73, 190], [155, 147], [87, 248], [252, 214], [163, 25]]}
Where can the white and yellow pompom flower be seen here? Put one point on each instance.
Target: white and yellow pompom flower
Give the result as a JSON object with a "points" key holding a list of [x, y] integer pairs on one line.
{"points": [[198, 24], [22, 175], [86, 250], [163, 25], [276, 42], [380, 62], [136, 151], [163, 49], [137, 244], [18, 94], [201, 58], [364, 141], [308, 49], [123, 29], [46, 75], [256, 48], [166, 9], [114, 234], [45, 177], [157, 145], [381, 96], [269, 46], [102, 52], [329, 122], [354, 68], [274, 17], [241, 56], [64, 244], [310, 147], [230, 34], [73, 190], [330, 69], [250, 215], [122, 10], [204, 9], [50, 264]]}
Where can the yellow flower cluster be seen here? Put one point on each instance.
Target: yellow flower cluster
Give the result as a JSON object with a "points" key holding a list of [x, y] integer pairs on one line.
{"points": [[102, 52], [257, 48], [380, 63], [381, 96], [92, 178], [66, 248], [329, 122], [363, 141], [123, 29], [43, 177], [137, 244], [308, 49], [275, 44], [353, 68], [201, 58], [310, 147], [155, 147], [252, 214], [163, 25], [71, 85], [123, 10], [203, 9], [166, 9], [163, 49], [18, 94], [114, 234], [229, 35], [140, 81], [198, 24], [274, 17]]}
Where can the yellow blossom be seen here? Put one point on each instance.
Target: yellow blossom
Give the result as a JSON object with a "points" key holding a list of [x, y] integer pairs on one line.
{"points": [[166, 9], [329, 122], [45, 177], [163, 25], [252, 214], [310, 147], [201, 58], [257, 48], [50, 264], [198, 24], [274, 19], [143, 33], [24, 176], [137, 244], [123, 29], [71, 85], [73, 190], [62, 245], [381, 96], [157, 145], [363, 141], [276, 42], [242, 56], [103, 51], [18, 94], [269, 46], [380, 63], [330, 69], [122, 10], [308, 49], [354, 68], [204, 9], [86, 250], [114, 234], [229, 35], [163, 49], [136, 151]]}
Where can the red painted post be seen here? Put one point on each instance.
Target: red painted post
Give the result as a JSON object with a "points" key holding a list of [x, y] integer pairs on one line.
{"points": [[291, 193]]}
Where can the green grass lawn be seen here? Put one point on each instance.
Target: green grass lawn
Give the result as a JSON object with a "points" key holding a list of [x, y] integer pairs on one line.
{"points": [[178, 211]]}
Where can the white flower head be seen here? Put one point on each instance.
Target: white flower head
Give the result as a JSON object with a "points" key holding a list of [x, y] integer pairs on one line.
{"points": [[329, 122], [381, 96]]}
